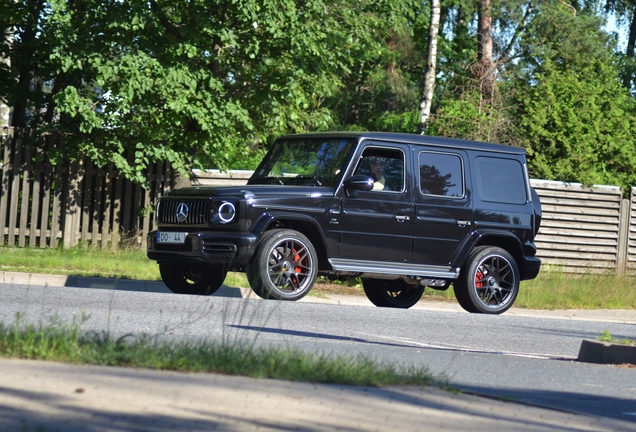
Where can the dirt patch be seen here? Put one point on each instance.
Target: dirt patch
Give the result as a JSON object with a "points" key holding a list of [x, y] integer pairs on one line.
{"points": [[332, 288]]}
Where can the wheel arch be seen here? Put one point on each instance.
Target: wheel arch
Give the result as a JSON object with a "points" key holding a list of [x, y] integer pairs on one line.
{"points": [[304, 224], [503, 239]]}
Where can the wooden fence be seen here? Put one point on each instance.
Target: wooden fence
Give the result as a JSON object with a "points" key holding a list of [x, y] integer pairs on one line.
{"points": [[43, 205], [630, 235], [581, 227]]}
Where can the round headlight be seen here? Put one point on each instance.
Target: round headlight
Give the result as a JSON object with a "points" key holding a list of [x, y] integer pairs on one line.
{"points": [[227, 211]]}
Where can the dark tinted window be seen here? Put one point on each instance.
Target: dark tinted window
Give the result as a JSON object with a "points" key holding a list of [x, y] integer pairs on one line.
{"points": [[500, 180], [385, 166], [441, 174]]}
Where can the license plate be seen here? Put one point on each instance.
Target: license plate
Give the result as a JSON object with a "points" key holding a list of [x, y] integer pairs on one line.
{"points": [[171, 237]]}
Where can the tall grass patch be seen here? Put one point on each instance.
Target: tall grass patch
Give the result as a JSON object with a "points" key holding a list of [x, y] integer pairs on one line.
{"points": [[560, 290], [67, 343], [130, 263]]}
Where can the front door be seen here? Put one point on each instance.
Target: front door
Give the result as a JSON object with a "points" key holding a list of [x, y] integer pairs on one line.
{"points": [[376, 225]]}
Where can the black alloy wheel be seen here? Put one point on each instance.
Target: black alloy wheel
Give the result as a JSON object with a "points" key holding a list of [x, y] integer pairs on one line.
{"points": [[284, 267], [488, 282]]}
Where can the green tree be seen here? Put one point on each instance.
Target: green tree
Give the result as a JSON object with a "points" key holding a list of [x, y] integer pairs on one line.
{"points": [[378, 87], [201, 82], [474, 101], [579, 126], [575, 115]]}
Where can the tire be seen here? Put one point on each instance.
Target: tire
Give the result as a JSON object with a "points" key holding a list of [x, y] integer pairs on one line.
{"points": [[284, 267], [392, 293], [192, 280], [488, 282]]}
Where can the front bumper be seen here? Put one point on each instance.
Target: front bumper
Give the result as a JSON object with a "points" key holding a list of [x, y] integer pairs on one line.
{"points": [[232, 250]]}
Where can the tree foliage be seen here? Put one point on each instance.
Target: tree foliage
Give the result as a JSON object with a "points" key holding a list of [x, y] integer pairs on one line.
{"points": [[198, 82], [210, 83], [578, 118]]}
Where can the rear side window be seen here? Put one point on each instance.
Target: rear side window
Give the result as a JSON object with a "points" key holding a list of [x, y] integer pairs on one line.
{"points": [[441, 174], [500, 180]]}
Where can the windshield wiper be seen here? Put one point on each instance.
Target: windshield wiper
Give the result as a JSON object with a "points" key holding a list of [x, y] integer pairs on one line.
{"points": [[311, 178], [266, 180]]}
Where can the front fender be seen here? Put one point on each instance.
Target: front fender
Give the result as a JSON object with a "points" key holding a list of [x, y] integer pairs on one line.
{"points": [[268, 218], [305, 224]]}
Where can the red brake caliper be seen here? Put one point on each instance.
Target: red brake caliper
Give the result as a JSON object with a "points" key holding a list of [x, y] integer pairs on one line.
{"points": [[297, 259], [478, 277]]}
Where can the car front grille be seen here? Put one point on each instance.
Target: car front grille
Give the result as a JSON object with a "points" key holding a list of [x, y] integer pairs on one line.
{"points": [[182, 212]]}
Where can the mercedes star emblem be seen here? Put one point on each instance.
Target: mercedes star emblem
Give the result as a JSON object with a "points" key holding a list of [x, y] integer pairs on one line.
{"points": [[182, 212]]}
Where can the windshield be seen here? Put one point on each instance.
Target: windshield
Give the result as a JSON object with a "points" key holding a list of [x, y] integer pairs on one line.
{"points": [[309, 162]]}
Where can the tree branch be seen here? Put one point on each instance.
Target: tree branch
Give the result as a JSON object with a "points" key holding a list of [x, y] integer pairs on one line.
{"points": [[505, 56], [165, 22], [570, 6]]}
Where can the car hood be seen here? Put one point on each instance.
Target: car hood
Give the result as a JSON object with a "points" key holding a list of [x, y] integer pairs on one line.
{"points": [[250, 191]]}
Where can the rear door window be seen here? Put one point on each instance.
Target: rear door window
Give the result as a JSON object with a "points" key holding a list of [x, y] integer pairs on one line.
{"points": [[441, 174]]}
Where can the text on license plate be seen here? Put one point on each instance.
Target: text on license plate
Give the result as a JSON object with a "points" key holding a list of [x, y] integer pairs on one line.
{"points": [[171, 237]]}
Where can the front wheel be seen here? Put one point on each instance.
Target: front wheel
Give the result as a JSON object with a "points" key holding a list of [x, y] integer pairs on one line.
{"points": [[392, 293], [488, 282], [284, 266], [192, 280]]}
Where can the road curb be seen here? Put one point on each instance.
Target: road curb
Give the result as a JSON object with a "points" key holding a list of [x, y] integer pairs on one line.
{"points": [[595, 351], [81, 282]]}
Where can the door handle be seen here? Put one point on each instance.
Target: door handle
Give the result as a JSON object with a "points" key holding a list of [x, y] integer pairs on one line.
{"points": [[462, 223], [401, 218]]}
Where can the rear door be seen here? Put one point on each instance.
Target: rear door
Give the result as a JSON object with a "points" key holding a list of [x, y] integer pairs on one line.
{"points": [[443, 209]]}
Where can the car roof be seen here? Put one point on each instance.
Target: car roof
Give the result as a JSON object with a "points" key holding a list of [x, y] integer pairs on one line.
{"points": [[406, 138]]}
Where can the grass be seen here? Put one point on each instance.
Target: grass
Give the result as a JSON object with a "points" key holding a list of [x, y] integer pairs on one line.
{"points": [[129, 263], [551, 290], [607, 337], [67, 343], [80, 261], [559, 290]]}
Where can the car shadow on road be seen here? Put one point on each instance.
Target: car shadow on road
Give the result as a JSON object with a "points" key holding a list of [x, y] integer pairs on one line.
{"points": [[140, 286]]}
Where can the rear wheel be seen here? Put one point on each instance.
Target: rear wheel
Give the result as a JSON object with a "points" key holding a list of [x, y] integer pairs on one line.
{"points": [[192, 280], [284, 266], [392, 293], [488, 282]]}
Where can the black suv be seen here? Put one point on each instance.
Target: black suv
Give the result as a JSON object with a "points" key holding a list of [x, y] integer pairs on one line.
{"points": [[402, 212]]}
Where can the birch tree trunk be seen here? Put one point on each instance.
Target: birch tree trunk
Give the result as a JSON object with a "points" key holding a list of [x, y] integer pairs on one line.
{"points": [[431, 67]]}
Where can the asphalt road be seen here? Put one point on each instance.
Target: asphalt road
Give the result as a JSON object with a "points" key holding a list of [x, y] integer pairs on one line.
{"points": [[520, 358]]}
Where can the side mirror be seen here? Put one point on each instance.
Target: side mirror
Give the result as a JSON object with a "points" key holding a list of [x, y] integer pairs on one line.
{"points": [[358, 182]]}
